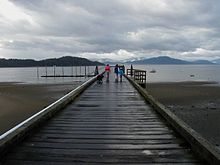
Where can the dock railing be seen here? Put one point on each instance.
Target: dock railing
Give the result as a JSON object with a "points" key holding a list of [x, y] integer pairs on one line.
{"points": [[138, 75], [80, 71]]}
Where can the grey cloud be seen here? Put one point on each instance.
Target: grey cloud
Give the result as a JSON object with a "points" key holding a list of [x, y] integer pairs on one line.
{"points": [[103, 26]]}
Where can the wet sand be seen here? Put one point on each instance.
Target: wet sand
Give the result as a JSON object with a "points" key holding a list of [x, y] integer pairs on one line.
{"points": [[197, 103], [20, 101]]}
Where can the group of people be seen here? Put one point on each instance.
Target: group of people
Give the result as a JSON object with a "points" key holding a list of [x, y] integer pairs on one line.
{"points": [[119, 70]]}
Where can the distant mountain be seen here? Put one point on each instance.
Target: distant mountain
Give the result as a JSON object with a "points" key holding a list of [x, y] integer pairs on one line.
{"points": [[217, 61], [160, 60], [169, 61], [63, 61], [110, 62], [204, 62]]}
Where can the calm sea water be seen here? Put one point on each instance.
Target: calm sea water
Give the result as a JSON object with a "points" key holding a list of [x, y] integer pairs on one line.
{"points": [[33, 74], [177, 73], [164, 73]]}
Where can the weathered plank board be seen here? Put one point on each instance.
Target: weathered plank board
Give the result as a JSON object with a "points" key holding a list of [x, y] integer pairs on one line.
{"points": [[107, 124]]}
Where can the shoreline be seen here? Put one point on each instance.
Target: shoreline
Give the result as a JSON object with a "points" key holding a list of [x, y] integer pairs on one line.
{"points": [[18, 101], [196, 103]]}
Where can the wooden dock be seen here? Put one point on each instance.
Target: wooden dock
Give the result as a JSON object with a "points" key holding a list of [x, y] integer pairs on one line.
{"points": [[109, 123]]}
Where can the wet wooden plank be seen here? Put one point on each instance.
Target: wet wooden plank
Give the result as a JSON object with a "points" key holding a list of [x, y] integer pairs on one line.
{"points": [[116, 122], [103, 146], [119, 137], [106, 128], [105, 132], [24, 162], [108, 141], [108, 158], [182, 152]]}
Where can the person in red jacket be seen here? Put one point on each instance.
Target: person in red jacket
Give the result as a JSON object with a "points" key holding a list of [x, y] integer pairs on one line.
{"points": [[107, 70]]}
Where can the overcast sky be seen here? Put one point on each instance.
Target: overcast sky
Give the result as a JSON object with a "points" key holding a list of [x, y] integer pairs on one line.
{"points": [[110, 29]]}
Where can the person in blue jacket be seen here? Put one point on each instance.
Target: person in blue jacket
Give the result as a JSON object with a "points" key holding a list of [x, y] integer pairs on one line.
{"points": [[121, 72]]}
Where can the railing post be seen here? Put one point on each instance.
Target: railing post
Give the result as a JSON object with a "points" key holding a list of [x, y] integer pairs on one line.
{"points": [[63, 71], [76, 70], [37, 72], [54, 70], [46, 70], [85, 71]]}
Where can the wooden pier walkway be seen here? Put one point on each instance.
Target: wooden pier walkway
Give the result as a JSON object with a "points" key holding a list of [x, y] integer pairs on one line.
{"points": [[108, 124]]}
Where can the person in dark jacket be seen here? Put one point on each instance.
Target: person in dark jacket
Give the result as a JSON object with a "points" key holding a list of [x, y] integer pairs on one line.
{"points": [[116, 73]]}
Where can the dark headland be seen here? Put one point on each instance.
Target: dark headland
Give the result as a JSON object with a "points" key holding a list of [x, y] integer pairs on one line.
{"points": [[62, 61]]}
